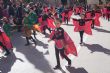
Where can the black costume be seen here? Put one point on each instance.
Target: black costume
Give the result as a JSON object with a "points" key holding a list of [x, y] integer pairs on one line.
{"points": [[59, 47]]}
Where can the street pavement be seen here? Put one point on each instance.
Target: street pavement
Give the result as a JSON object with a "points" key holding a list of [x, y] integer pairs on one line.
{"points": [[93, 56]]}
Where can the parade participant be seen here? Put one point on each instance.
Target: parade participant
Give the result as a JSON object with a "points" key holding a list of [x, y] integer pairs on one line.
{"points": [[97, 15], [104, 12], [82, 26], [5, 42], [66, 15], [94, 15], [78, 10], [50, 22], [63, 44], [88, 14], [32, 16], [33, 19], [60, 10], [27, 29], [7, 27], [44, 24], [108, 12]]}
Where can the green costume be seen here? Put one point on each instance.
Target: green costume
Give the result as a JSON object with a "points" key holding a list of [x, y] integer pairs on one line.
{"points": [[7, 29], [27, 22], [27, 27], [32, 18]]}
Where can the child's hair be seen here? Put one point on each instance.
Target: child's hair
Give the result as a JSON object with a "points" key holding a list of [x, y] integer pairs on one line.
{"points": [[58, 19]]}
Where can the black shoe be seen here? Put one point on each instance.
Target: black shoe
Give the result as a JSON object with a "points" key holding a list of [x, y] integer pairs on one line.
{"points": [[81, 44], [57, 67], [92, 27], [69, 63], [27, 44]]}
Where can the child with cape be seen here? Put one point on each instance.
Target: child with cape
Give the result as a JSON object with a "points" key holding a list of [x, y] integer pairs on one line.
{"points": [[27, 29], [82, 26], [63, 44], [5, 42]]}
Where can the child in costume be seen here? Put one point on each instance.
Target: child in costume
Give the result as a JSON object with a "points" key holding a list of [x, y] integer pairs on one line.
{"points": [[33, 19], [63, 44], [82, 26], [7, 27], [27, 29], [5, 42]]}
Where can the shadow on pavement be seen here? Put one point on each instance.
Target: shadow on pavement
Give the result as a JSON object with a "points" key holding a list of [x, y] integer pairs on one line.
{"points": [[62, 71], [32, 54], [46, 35], [7, 63], [40, 43], [101, 30], [97, 48], [76, 70]]}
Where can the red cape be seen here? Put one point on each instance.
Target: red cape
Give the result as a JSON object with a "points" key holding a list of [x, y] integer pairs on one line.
{"points": [[46, 9], [88, 15], [50, 22], [69, 15], [96, 19], [56, 15], [86, 27], [5, 40], [40, 19], [104, 11], [63, 14], [78, 10], [43, 23], [71, 49]]}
